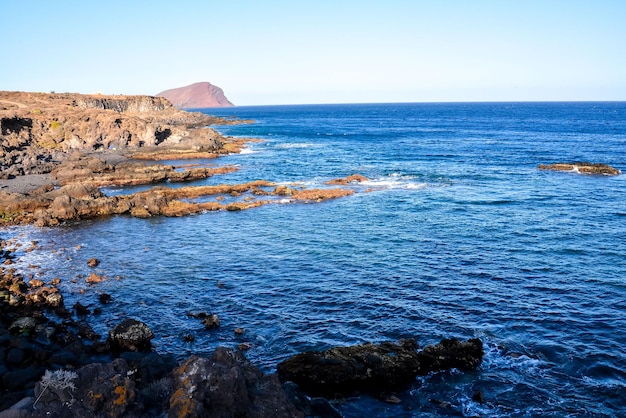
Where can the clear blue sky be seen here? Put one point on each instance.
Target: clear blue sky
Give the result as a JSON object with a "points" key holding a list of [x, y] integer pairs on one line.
{"points": [[339, 51]]}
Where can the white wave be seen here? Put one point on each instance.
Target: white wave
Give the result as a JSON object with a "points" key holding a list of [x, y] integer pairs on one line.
{"points": [[495, 358], [297, 145], [395, 181], [248, 151]]}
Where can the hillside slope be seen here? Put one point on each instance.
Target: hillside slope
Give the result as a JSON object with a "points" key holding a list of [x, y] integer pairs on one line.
{"points": [[196, 96]]}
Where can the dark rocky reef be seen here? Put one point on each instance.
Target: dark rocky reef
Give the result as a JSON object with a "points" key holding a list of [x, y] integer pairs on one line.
{"points": [[376, 369], [582, 168], [52, 364]]}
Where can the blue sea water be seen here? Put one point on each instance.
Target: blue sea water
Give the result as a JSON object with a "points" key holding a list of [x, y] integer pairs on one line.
{"points": [[456, 234]]}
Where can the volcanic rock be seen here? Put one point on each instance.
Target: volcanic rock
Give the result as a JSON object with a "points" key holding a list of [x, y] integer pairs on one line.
{"points": [[376, 369], [343, 371], [93, 390], [227, 385], [451, 354], [197, 95], [131, 335], [93, 262], [48, 128], [582, 168], [354, 178]]}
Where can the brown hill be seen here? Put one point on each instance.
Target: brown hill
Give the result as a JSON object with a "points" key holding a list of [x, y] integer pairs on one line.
{"points": [[197, 95]]}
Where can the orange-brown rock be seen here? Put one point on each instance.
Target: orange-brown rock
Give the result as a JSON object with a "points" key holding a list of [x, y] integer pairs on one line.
{"points": [[83, 142], [95, 278], [582, 168], [320, 195], [37, 130], [84, 200], [354, 178], [283, 191], [93, 262], [35, 283], [128, 173]]}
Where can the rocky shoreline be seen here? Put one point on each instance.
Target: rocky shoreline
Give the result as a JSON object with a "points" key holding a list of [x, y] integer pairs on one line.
{"points": [[53, 364], [56, 153]]}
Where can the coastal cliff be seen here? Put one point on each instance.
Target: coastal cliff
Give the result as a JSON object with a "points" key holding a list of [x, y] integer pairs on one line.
{"points": [[197, 96], [57, 150], [39, 130]]}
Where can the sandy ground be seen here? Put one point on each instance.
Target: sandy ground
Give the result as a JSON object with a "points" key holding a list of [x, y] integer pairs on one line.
{"points": [[25, 184], [30, 182]]}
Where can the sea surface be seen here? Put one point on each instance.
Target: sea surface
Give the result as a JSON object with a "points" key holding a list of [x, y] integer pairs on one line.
{"points": [[456, 234]]}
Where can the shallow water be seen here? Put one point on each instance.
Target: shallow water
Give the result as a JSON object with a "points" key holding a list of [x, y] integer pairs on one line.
{"points": [[457, 234]]}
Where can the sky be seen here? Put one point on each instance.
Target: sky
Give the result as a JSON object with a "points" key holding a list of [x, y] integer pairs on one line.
{"points": [[339, 51]]}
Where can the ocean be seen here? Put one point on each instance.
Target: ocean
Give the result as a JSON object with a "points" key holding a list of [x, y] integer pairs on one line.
{"points": [[455, 234]]}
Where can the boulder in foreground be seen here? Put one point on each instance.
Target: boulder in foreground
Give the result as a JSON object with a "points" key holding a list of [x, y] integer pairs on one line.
{"points": [[226, 385]]}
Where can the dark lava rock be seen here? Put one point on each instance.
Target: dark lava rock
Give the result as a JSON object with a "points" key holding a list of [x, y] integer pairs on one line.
{"points": [[94, 390], [104, 298], [227, 385], [311, 407], [15, 356], [19, 378], [81, 309], [343, 371], [131, 335], [451, 354], [211, 321], [375, 369]]}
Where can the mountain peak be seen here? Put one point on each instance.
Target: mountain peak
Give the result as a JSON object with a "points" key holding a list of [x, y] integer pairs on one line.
{"points": [[197, 95]]}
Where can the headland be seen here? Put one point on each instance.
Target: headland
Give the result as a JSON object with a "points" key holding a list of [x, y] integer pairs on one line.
{"points": [[57, 150]]}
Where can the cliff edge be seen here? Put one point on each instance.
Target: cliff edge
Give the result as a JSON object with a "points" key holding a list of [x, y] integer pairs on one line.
{"points": [[196, 96], [39, 130]]}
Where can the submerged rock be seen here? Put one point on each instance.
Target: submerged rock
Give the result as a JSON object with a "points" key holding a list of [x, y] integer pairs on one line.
{"points": [[354, 178], [93, 262], [131, 335], [376, 369]]}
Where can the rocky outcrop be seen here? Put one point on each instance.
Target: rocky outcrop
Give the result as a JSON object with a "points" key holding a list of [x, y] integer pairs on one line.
{"points": [[375, 369], [131, 335], [354, 178], [45, 128], [582, 168], [196, 96], [226, 385], [98, 172], [121, 104], [78, 143], [48, 206]]}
